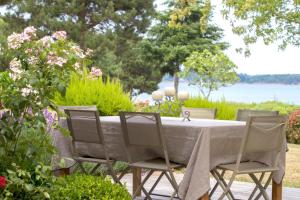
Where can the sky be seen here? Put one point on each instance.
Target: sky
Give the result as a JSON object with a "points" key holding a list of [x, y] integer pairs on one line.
{"points": [[263, 60]]}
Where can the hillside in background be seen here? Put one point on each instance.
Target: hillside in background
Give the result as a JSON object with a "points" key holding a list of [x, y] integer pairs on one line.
{"points": [[270, 78], [292, 79]]}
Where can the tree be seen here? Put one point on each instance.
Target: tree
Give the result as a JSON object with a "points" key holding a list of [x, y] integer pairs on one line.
{"points": [[272, 20], [174, 44], [209, 70], [113, 29]]}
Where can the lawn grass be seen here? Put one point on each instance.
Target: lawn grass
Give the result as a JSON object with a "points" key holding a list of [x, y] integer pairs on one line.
{"points": [[292, 173]]}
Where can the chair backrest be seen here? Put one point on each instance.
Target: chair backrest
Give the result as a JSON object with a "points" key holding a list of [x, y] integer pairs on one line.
{"points": [[200, 113], [143, 130], [84, 126], [264, 134], [243, 114]]}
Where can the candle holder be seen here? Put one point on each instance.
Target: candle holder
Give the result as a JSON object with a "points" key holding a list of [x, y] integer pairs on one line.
{"points": [[168, 97]]}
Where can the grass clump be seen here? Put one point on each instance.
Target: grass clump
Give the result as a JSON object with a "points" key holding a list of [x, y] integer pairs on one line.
{"points": [[108, 96]]}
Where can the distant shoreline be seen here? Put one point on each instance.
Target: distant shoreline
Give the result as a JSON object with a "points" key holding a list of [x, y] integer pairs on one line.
{"points": [[285, 79]]}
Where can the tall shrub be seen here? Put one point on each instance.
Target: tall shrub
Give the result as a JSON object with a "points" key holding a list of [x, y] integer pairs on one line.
{"points": [[38, 68], [108, 95]]}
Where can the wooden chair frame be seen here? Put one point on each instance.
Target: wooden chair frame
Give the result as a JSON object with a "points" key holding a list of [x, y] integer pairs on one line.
{"points": [[280, 122], [99, 161], [168, 172]]}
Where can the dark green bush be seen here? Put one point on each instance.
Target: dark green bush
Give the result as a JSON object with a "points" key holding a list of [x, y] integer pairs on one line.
{"points": [[88, 188], [27, 185], [108, 96]]}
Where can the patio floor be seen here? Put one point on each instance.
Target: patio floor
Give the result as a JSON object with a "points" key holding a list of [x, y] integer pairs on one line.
{"points": [[241, 190]]}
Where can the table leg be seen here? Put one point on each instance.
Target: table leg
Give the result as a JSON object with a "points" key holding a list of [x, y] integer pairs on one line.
{"points": [[136, 179], [205, 197], [276, 191]]}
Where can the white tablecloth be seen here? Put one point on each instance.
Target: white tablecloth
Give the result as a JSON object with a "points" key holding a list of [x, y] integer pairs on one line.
{"points": [[199, 144]]}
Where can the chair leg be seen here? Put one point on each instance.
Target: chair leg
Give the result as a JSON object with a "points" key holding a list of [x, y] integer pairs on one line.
{"points": [[224, 185], [82, 168], [112, 173], [156, 182], [224, 182], [261, 188], [142, 184], [173, 182], [256, 187], [95, 168], [265, 186], [216, 185]]}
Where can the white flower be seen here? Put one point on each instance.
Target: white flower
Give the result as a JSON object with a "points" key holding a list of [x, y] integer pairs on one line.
{"points": [[15, 68], [33, 60], [15, 41], [88, 52], [78, 51], [27, 91], [76, 66]]}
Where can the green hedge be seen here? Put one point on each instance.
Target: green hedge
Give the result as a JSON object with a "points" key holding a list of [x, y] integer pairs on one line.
{"points": [[108, 96], [227, 110], [87, 187]]}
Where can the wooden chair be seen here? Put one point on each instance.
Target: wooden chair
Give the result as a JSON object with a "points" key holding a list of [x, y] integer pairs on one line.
{"points": [[263, 134], [243, 114], [85, 127], [200, 113], [145, 130]]}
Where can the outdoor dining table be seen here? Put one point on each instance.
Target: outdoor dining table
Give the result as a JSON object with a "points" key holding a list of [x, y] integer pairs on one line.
{"points": [[200, 144]]}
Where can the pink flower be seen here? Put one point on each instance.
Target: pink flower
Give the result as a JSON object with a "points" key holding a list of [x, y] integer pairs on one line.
{"points": [[46, 41], [30, 32], [95, 72], [55, 60], [60, 35], [15, 41]]}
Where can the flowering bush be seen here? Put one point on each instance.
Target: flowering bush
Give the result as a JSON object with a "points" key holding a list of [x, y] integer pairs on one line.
{"points": [[293, 129], [26, 185], [2, 182], [39, 67]]}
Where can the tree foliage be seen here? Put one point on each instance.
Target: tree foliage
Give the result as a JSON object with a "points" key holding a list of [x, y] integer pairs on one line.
{"points": [[272, 20], [173, 45], [210, 70], [113, 29]]}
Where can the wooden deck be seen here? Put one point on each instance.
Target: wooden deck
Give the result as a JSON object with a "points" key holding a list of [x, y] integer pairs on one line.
{"points": [[241, 190]]}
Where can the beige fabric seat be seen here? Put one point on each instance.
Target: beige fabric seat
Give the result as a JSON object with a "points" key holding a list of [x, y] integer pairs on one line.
{"points": [[145, 130], [249, 167], [199, 113], [159, 164], [85, 127], [243, 114], [264, 134]]}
